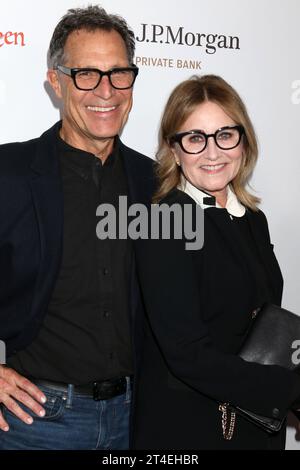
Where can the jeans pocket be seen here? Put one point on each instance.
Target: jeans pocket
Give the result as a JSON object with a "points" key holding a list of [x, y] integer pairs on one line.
{"points": [[54, 408]]}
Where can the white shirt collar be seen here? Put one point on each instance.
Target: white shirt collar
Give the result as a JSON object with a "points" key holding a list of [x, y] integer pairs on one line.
{"points": [[205, 200]]}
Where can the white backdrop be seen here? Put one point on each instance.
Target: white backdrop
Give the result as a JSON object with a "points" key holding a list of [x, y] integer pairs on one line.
{"points": [[262, 63]]}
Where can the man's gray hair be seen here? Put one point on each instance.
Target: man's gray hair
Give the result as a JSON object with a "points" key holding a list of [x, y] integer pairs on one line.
{"points": [[91, 18]]}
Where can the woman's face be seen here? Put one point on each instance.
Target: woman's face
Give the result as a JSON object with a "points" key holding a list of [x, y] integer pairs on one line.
{"points": [[212, 169]]}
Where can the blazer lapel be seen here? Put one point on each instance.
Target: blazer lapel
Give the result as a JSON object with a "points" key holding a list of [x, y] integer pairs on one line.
{"points": [[225, 229], [47, 194], [140, 188], [266, 254], [139, 177]]}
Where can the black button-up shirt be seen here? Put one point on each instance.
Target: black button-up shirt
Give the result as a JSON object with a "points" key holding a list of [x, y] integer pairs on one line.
{"points": [[86, 332]]}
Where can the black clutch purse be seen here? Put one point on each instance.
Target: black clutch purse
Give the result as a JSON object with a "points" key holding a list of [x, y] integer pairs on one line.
{"points": [[269, 341]]}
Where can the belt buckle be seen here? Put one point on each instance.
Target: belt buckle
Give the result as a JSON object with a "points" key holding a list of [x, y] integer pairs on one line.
{"points": [[106, 390], [102, 392]]}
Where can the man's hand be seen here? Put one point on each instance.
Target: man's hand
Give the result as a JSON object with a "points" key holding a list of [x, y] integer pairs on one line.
{"points": [[15, 387]]}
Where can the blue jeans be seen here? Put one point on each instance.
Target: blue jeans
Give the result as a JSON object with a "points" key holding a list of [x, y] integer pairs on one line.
{"points": [[72, 422]]}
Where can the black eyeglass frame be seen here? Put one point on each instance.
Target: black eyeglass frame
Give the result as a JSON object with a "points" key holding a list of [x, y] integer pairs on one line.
{"points": [[72, 72], [177, 138]]}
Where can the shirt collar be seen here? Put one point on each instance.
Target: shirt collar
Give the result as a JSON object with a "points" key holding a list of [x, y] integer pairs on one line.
{"points": [[84, 159], [205, 200]]}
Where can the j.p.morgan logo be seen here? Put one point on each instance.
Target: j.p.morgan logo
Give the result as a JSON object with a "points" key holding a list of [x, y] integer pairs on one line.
{"points": [[10, 38], [156, 33]]}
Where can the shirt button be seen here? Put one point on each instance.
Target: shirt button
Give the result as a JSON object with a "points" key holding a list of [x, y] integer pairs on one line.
{"points": [[105, 271], [276, 412], [106, 313]]}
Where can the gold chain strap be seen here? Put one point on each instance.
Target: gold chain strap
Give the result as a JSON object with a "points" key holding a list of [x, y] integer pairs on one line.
{"points": [[227, 433]]}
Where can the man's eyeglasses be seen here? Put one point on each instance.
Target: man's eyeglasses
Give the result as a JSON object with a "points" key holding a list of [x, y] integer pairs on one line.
{"points": [[195, 141], [87, 79]]}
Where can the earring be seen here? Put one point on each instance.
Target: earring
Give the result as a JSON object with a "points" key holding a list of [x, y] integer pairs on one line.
{"points": [[177, 163]]}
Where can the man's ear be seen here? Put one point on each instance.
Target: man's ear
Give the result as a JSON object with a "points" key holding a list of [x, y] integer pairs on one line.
{"points": [[52, 76]]}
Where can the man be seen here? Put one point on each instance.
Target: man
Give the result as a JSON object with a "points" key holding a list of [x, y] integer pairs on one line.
{"points": [[68, 300]]}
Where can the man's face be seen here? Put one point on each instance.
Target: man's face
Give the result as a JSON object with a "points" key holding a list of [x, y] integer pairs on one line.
{"points": [[91, 119]]}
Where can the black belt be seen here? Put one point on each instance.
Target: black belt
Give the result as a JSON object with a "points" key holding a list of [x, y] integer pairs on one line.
{"points": [[99, 390]]}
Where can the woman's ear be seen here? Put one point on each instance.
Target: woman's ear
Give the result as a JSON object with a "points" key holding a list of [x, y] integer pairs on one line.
{"points": [[177, 161]]}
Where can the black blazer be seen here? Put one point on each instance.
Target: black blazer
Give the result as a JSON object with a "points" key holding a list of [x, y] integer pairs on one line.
{"points": [[199, 306], [31, 228]]}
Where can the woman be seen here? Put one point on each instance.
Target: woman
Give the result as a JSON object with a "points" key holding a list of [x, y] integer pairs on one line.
{"points": [[200, 303]]}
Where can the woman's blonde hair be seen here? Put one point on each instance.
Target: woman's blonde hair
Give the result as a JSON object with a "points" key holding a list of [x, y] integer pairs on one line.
{"points": [[182, 102]]}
